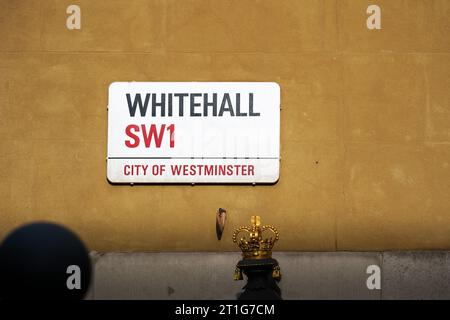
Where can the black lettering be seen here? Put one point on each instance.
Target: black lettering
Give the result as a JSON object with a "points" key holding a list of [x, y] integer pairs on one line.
{"points": [[250, 106], [170, 105], [137, 101], [238, 106], [181, 97], [161, 104], [194, 104], [226, 100], [207, 104]]}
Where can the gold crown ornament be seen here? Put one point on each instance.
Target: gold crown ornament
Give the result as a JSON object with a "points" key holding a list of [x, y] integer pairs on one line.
{"points": [[256, 247]]}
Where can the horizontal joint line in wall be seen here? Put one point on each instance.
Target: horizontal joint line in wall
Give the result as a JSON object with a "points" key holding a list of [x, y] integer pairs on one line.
{"points": [[193, 158]]}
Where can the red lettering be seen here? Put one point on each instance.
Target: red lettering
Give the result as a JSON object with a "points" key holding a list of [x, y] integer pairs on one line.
{"points": [[171, 129], [208, 170], [176, 170], [128, 132], [153, 135]]}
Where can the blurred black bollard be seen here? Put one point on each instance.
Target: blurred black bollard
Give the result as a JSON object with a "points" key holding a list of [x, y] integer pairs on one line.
{"points": [[43, 261], [261, 283]]}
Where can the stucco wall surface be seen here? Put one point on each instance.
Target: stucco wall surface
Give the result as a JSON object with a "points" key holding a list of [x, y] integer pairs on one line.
{"points": [[365, 120]]}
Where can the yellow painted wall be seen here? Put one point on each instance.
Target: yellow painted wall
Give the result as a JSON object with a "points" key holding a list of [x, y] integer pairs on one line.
{"points": [[365, 124]]}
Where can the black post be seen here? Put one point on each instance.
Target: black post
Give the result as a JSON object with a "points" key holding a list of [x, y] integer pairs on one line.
{"points": [[261, 284]]}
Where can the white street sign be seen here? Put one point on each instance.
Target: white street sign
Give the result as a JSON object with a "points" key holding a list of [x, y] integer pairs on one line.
{"points": [[193, 132]]}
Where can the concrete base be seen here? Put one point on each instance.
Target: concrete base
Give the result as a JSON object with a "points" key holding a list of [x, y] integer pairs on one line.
{"points": [[416, 275], [305, 275]]}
